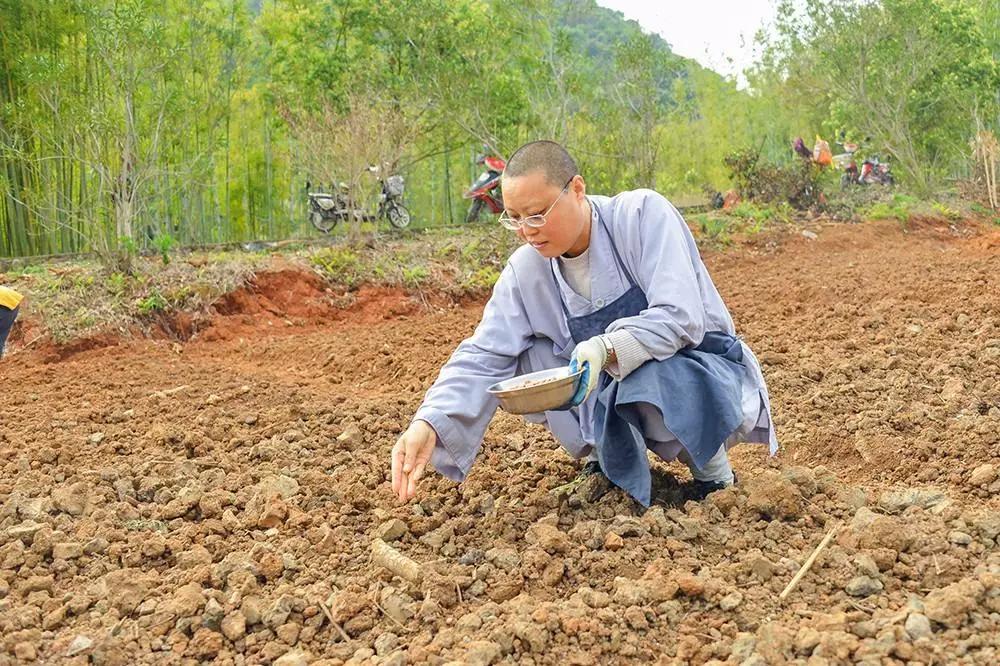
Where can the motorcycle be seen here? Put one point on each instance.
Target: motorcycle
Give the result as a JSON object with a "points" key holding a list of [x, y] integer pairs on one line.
{"points": [[485, 191], [873, 171], [326, 209]]}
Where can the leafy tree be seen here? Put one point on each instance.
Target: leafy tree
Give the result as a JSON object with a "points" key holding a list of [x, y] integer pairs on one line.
{"points": [[908, 73]]}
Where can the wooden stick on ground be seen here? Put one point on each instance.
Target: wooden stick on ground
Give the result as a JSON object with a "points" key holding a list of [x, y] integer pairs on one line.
{"points": [[375, 603], [894, 619], [168, 392], [861, 607], [402, 627], [386, 556], [805, 567], [334, 623], [118, 626]]}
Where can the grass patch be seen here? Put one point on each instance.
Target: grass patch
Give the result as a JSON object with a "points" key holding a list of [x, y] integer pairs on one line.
{"points": [[341, 265], [946, 211], [73, 300], [718, 228], [415, 276], [152, 304], [455, 261], [976, 209], [79, 299], [482, 278], [900, 207], [712, 228], [756, 216]]}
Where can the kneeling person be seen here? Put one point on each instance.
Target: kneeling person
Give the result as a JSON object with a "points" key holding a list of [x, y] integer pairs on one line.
{"points": [[614, 285]]}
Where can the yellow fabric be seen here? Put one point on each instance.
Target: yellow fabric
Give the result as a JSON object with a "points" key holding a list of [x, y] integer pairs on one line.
{"points": [[9, 298]]}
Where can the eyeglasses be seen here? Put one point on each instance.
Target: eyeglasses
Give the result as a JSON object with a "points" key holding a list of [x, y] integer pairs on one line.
{"points": [[533, 221]]}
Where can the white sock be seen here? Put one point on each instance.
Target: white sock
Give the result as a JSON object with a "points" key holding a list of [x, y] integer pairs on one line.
{"points": [[716, 469]]}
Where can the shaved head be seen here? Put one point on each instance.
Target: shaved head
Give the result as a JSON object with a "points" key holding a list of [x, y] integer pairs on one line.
{"points": [[548, 157]]}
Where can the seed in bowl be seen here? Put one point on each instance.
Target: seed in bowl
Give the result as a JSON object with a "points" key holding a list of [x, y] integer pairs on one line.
{"points": [[535, 382]]}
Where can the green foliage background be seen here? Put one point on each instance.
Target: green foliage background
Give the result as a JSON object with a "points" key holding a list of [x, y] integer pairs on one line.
{"points": [[130, 124]]}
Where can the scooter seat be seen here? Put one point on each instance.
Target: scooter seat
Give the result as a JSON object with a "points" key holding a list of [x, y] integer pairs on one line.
{"points": [[324, 201]]}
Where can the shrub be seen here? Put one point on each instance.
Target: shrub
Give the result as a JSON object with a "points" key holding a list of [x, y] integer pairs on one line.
{"points": [[340, 265], [946, 212], [761, 181], [164, 243], [153, 303]]}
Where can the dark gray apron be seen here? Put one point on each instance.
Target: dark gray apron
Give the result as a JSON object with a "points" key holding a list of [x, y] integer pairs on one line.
{"points": [[698, 390]]}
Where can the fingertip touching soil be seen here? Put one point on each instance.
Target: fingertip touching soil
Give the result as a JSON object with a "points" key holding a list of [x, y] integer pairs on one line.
{"points": [[216, 494]]}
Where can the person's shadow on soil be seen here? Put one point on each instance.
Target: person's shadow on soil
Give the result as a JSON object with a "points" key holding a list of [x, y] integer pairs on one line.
{"points": [[667, 491], [596, 490]]}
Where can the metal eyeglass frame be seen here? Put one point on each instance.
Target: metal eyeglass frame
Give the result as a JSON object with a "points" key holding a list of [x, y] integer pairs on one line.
{"points": [[515, 224]]}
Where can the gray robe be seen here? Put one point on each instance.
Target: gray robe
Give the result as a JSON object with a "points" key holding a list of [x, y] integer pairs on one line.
{"points": [[523, 329]]}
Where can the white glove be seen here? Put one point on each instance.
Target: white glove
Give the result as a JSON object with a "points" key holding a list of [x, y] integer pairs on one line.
{"points": [[595, 353]]}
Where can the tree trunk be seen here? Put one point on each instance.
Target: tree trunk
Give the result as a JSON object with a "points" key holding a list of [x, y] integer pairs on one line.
{"points": [[124, 194]]}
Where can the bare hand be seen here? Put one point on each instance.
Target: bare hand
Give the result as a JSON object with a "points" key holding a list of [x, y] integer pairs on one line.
{"points": [[410, 456]]}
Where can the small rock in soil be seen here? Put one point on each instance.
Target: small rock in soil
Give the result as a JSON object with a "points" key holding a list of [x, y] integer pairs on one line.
{"points": [[613, 542], [25, 651], [951, 605], [918, 626], [895, 501], [79, 645], [863, 586], [960, 538], [481, 653], [294, 658], [548, 537], [391, 530], [774, 496], [730, 601], [67, 551], [983, 475], [234, 626], [386, 643]]}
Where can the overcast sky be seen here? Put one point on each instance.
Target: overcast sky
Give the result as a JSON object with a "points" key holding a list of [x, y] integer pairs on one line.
{"points": [[713, 32]]}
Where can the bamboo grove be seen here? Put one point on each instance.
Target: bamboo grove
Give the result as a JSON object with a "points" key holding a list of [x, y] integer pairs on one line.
{"points": [[130, 123]]}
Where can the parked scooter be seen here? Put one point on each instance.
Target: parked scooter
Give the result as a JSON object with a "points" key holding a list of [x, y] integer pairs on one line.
{"points": [[326, 209], [485, 191], [873, 171]]}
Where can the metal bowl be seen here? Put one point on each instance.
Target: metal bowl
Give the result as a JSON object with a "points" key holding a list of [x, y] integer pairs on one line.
{"points": [[550, 390]]}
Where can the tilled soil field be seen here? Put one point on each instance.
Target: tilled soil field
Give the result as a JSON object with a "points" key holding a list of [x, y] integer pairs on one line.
{"points": [[219, 499]]}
